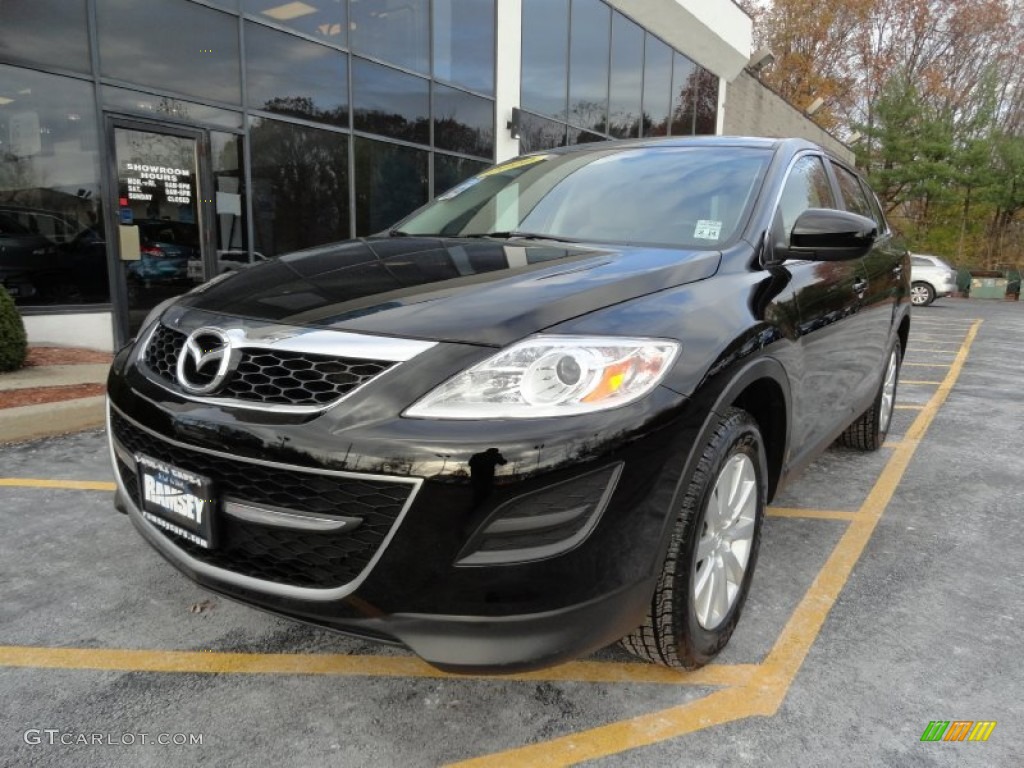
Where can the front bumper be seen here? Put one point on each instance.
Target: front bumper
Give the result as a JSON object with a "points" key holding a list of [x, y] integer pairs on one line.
{"points": [[454, 643], [418, 587]]}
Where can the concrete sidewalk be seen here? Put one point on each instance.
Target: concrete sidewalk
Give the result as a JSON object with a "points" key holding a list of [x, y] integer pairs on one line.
{"points": [[55, 417]]}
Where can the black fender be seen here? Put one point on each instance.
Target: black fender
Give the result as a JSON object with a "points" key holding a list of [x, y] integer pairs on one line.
{"points": [[712, 401]]}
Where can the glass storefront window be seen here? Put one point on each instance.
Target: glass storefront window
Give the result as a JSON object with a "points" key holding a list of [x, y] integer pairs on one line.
{"points": [[588, 64], [50, 32], [391, 182], [449, 171], [545, 56], [684, 95], [158, 203], [627, 78], [292, 76], [160, 107], [579, 136], [463, 122], [707, 104], [172, 44], [326, 19], [464, 43], [390, 103], [536, 133], [299, 186], [231, 237], [52, 247], [396, 31], [657, 86]]}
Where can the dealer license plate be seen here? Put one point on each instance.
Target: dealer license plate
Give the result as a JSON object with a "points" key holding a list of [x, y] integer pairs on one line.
{"points": [[177, 500]]}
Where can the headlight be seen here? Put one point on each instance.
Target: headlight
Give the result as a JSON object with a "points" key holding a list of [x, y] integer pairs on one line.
{"points": [[552, 376]]}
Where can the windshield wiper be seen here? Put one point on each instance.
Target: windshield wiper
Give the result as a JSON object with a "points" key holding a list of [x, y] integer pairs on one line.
{"points": [[514, 234]]}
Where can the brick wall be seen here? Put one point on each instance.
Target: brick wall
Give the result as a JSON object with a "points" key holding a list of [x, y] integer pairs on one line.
{"points": [[751, 109]]}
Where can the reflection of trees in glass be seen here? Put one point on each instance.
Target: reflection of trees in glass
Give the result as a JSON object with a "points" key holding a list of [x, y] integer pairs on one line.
{"points": [[683, 108], [449, 133], [707, 103], [173, 108], [592, 115], [305, 107], [391, 182], [300, 186], [535, 133], [156, 149], [392, 124], [623, 124]]}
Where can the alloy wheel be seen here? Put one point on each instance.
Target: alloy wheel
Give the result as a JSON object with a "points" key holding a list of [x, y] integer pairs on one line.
{"points": [[888, 398], [723, 550], [918, 295]]}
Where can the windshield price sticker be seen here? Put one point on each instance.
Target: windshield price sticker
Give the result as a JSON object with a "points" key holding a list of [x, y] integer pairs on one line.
{"points": [[707, 229]]}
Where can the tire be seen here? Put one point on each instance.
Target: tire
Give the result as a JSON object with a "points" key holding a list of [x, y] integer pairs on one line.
{"points": [[921, 294], [868, 432], [682, 629]]}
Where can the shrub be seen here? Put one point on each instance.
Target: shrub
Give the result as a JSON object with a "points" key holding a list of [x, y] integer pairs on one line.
{"points": [[13, 344]]}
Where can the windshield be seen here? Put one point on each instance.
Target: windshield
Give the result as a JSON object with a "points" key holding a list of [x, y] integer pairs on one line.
{"points": [[693, 197]]}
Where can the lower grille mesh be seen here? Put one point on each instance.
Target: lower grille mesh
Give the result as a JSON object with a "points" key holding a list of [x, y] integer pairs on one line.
{"points": [[283, 556]]}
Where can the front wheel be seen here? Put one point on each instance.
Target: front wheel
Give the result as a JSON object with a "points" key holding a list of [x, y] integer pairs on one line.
{"points": [[713, 551], [921, 294]]}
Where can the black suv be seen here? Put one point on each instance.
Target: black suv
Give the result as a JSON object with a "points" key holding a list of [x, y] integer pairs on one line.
{"points": [[543, 413]]}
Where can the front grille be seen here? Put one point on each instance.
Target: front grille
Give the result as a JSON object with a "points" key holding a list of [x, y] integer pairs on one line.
{"points": [[283, 556], [271, 376]]}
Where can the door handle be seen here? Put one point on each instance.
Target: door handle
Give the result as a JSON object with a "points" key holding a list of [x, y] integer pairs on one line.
{"points": [[860, 287], [897, 271]]}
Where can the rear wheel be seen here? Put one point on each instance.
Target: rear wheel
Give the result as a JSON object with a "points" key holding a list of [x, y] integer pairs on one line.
{"points": [[868, 432], [921, 294], [713, 551]]}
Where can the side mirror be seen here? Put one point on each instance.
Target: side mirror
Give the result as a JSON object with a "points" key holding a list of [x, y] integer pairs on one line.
{"points": [[823, 234]]}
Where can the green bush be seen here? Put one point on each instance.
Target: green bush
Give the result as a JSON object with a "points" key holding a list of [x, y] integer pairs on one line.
{"points": [[13, 344]]}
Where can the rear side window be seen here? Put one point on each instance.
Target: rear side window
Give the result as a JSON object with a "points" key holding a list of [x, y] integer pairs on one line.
{"points": [[806, 187], [876, 207], [853, 193]]}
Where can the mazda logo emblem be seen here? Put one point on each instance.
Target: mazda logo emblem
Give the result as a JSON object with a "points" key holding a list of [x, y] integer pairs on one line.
{"points": [[205, 361]]}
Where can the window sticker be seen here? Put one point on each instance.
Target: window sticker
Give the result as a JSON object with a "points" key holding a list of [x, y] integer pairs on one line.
{"points": [[518, 163], [455, 191], [707, 229]]}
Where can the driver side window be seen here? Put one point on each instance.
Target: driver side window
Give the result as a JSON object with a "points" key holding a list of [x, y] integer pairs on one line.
{"points": [[807, 187]]}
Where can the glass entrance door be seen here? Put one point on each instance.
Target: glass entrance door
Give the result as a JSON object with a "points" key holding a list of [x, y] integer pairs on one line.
{"points": [[159, 215]]}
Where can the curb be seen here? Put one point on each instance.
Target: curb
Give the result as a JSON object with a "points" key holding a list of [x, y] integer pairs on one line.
{"points": [[31, 422]]}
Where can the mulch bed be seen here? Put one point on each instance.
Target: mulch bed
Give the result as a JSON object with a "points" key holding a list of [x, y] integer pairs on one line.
{"points": [[12, 398], [41, 356], [65, 356]]}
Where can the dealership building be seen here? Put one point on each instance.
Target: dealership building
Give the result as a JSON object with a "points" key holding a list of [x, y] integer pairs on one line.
{"points": [[148, 145]]}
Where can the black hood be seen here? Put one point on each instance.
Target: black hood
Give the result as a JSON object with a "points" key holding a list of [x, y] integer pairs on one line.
{"points": [[463, 290]]}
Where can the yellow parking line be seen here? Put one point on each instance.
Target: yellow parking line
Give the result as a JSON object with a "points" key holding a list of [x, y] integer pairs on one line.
{"points": [[344, 665], [766, 691], [75, 485], [814, 514], [908, 407], [754, 689]]}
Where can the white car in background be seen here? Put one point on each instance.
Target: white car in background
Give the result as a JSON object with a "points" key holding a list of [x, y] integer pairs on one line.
{"points": [[930, 278]]}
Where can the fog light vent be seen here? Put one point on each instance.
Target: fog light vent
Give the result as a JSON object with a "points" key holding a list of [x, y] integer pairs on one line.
{"points": [[543, 523]]}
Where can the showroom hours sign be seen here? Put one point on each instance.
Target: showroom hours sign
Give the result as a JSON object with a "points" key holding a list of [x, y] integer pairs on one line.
{"points": [[145, 180]]}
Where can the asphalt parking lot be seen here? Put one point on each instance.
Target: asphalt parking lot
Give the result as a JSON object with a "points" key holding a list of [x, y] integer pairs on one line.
{"points": [[888, 595]]}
